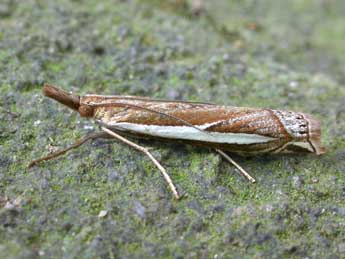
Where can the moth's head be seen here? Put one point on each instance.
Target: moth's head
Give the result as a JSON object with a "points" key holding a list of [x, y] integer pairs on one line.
{"points": [[306, 136]]}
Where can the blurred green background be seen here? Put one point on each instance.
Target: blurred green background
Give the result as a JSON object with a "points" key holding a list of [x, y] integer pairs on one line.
{"points": [[277, 54]]}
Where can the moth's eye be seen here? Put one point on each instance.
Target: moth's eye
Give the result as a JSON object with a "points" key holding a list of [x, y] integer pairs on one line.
{"points": [[85, 111]]}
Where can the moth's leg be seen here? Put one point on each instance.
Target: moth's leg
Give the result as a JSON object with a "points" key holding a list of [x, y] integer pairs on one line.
{"points": [[63, 151], [146, 152], [242, 171]]}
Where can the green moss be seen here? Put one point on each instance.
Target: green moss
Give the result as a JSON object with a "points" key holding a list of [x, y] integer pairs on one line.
{"points": [[285, 56]]}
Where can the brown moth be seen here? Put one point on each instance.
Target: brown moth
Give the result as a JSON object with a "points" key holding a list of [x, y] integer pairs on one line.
{"points": [[241, 130]]}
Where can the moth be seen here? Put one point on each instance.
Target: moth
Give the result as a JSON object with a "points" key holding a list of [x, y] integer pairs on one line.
{"points": [[242, 130]]}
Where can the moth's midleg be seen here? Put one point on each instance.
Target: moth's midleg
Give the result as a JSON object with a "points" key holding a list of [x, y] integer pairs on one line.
{"points": [[146, 152], [242, 171], [77, 144]]}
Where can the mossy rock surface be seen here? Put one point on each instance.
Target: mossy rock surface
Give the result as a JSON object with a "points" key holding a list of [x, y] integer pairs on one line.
{"points": [[276, 54]]}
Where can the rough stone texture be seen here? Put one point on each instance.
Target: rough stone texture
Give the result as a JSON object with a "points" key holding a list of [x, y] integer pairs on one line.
{"points": [[278, 54]]}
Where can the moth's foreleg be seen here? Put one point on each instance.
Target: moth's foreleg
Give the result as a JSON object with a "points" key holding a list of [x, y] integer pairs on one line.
{"points": [[73, 146], [242, 171], [146, 152]]}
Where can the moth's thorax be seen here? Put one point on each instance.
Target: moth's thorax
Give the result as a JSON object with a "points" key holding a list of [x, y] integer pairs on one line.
{"points": [[304, 130], [294, 123]]}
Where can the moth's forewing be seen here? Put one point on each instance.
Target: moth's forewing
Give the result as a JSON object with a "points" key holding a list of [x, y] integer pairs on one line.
{"points": [[237, 129]]}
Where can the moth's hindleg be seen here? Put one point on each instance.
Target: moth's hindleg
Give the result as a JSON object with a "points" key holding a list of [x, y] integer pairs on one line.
{"points": [[146, 152], [230, 160]]}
